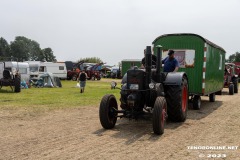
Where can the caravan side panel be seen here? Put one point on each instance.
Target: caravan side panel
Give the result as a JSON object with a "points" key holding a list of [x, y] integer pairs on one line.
{"points": [[57, 69], [215, 65]]}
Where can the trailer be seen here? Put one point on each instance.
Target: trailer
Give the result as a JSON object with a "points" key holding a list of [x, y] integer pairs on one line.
{"points": [[57, 69], [34, 68], [38, 68], [74, 70], [128, 64], [237, 70], [231, 78], [202, 60]]}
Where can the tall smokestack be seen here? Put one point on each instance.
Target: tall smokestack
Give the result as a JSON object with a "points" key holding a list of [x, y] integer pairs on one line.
{"points": [[159, 62], [148, 65]]}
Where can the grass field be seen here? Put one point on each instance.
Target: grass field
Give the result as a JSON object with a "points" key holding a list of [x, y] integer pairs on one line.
{"points": [[53, 98]]}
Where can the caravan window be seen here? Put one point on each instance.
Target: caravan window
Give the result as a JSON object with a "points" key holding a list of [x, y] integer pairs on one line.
{"points": [[33, 69], [185, 57], [41, 69], [23, 70], [61, 67], [220, 63]]}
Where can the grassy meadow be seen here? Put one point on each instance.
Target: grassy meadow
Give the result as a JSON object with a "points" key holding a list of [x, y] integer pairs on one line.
{"points": [[54, 98]]}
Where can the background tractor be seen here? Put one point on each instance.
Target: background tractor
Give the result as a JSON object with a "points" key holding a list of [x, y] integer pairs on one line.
{"points": [[9, 76], [163, 95], [231, 78], [74, 70]]}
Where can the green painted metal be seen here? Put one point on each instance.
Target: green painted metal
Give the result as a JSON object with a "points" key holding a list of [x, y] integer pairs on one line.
{"points": [[129, 63], [214, 73]]}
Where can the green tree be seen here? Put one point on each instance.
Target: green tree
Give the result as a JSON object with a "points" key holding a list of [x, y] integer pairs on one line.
{"points": [[234, 57], [47, 55], [91, 60], [4, 48], [20, 48], [25, 49], [34, 51]]}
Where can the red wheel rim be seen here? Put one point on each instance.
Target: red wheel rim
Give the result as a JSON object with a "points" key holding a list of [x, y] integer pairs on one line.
{"points": [[184, 99]]}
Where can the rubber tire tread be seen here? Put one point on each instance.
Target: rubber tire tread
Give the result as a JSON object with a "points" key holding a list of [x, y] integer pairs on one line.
{"points": [[231, 89], [235, 83], [17, 84], [104, 109], [212, 97], [157, 115], [195, 102]]}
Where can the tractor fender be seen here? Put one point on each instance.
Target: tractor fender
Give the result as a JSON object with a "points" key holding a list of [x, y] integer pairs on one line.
{"points": [[124, 79], [174, 78]]}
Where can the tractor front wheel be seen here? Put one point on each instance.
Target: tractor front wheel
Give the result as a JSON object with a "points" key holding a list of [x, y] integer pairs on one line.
{"points": [[107, 111], [159, 115], [74, 77]]}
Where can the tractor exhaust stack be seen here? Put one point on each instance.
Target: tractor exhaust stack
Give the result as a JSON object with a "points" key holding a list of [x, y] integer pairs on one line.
{"points": [[159, 62], [148, 60]]}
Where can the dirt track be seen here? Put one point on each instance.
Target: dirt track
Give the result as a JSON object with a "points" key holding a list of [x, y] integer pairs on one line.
{"points": [[77, 134]]}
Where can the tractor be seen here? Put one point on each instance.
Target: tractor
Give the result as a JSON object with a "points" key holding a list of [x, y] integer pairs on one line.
{"points": [[231, 78], [162, 95], [73, 73], [93, 71], [9, 76]]}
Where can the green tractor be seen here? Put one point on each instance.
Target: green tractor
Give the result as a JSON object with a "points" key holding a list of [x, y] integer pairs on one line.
{"points": [[148, 91]]}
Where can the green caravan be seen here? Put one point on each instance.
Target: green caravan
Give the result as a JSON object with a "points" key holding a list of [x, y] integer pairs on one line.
{"points": [[202, 61]]}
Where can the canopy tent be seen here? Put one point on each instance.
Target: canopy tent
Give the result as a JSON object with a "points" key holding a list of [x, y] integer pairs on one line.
{"points": [[49, 80]]}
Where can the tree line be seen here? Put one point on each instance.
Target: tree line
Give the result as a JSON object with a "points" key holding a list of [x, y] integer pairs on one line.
{"points": [[91, 60], [234, 58], [24, 49]]}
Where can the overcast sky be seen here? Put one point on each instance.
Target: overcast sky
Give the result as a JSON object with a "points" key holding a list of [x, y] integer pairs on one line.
{"points": [[117, 29]]}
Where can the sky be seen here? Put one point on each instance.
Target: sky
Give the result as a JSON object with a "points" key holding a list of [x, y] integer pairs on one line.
{"points": [[114, 30]]}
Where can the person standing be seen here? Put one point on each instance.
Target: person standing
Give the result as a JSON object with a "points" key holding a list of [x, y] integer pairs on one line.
{"points": [[171, 64], [82, 78]]}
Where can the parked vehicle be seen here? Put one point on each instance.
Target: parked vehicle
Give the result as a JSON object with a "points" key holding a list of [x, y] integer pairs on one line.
{"points": [[231, 78], [38, 68], [57, 69], [116, 72], [74, 71], [10, 75], [69, 65], [21, 67], [93, 71], [129, 63], [202, 60], [237, 70], [34, 68], [160, 94]]}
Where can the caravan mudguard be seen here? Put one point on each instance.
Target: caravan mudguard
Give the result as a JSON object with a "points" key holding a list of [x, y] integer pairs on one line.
{"points": [[174, 78]]}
